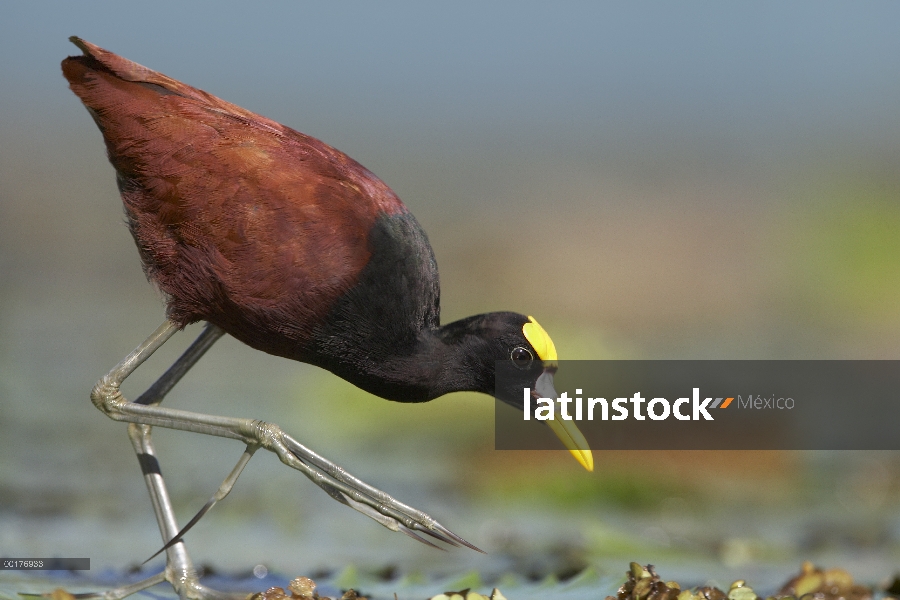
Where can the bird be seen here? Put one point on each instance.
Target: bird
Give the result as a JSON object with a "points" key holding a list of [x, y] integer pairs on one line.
{"points": [[295, 249]]}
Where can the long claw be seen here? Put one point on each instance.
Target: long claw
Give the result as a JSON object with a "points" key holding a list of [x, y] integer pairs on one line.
{"points": [[436, 535], [223, 491], [370, 501], [416, 536], [178, 536], [456, 538]]}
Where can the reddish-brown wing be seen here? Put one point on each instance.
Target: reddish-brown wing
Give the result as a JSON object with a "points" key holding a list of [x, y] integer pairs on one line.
{"points": [[239, 220]]}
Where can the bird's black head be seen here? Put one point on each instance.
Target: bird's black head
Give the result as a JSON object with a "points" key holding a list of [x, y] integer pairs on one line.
{"points": [[522, 351], [478, 343], [505, 353]]}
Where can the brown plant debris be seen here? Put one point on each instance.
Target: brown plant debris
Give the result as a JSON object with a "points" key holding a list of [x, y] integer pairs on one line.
{"points": [[301, 588], [811, 583]]}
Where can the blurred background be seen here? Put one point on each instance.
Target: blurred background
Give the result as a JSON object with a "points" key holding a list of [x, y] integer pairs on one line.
{"points": [[682, 180]]}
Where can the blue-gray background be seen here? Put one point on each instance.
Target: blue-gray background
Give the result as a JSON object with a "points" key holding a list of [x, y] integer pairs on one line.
{"points": [[683, 180]]}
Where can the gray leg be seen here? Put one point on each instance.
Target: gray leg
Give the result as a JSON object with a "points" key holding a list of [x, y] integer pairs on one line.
{"points": [[339, 484], [220, 494], [145, 412], [179, 570]]}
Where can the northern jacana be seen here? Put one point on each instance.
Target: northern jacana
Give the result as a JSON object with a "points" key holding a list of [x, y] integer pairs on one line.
{"points": [[297, 250]]}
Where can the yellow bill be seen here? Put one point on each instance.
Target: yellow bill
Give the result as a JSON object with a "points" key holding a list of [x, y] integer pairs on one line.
{"points": [[572, 439], [566, 431]]}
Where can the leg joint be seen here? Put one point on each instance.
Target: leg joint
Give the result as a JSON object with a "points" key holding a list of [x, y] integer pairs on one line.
{"points": [[107, 397], [267, 435]]}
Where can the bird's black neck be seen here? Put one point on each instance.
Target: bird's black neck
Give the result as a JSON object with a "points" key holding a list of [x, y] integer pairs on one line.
{"points": [[438, 361]]}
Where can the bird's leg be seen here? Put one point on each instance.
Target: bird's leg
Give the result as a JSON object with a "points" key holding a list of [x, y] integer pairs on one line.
{"points": [[220, 494], [360, 496], [179, 569], [339, 484], [162, 386]]}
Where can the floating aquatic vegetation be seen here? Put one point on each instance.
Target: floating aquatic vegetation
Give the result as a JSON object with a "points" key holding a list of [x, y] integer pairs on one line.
{"points": [[811, 583], [818, 584], [301, 588], [467, 595], [641, 583]]}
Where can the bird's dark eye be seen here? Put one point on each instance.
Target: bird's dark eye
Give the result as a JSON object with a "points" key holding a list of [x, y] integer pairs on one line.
{"points": [[521, 357]]}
